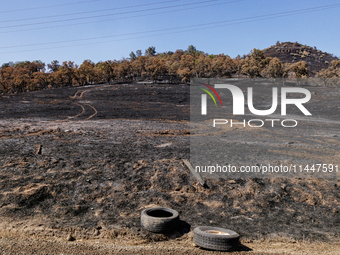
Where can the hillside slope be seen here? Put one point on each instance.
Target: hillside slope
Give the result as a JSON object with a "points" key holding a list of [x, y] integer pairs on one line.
{"points": [[289, 52]]}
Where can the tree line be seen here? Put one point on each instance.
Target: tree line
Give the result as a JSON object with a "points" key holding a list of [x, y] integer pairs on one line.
{"points": [[180, 65]]}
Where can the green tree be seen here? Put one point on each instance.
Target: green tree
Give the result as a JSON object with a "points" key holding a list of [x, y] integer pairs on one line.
{"points": [[191, 50], [138, 53], [132, 55], [151, 51]]}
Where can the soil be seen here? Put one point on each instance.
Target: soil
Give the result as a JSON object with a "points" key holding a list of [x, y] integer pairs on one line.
{"points": [[289, 52], [78, 165]]}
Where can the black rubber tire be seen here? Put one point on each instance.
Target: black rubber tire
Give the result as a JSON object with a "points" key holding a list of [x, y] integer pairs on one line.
{"points": [[216, 242], [160, 219]]}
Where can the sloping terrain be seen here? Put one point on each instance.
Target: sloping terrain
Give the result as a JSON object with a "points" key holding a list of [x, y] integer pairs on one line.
{"points": [[288, 52], [108, 152]]}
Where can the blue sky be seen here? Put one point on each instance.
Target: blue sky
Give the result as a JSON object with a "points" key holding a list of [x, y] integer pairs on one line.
{"points": [[102, 30]]}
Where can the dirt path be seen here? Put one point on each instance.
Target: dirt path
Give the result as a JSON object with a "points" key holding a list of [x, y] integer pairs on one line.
{"points": [[29, 245]]}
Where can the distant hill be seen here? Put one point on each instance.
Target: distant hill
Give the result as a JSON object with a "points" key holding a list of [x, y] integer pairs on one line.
{"points": [[289, 52]]}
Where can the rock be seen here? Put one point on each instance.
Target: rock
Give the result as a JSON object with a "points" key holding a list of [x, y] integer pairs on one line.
{"points": [[232, 182], [96, 232], [70, 238]]}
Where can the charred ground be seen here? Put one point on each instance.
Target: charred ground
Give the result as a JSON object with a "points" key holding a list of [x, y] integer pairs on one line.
{"points": [[110, 151], [292, 52]]}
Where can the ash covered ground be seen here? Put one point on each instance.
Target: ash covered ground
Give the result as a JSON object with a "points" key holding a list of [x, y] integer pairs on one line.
{"points": [[109, 151]]}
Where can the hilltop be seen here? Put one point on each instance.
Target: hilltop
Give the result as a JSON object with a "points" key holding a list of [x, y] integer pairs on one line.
{"points": [[292, 52]]}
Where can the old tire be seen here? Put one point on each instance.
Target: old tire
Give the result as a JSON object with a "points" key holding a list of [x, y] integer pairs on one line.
{"points": [[159, 219], [218, 239]]}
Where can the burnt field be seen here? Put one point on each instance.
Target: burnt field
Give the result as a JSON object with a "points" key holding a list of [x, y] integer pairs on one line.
{"points": [[88, 160]]}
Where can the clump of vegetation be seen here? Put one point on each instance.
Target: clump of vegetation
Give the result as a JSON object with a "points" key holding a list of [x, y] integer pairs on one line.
{"points": [[179, 65]]}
